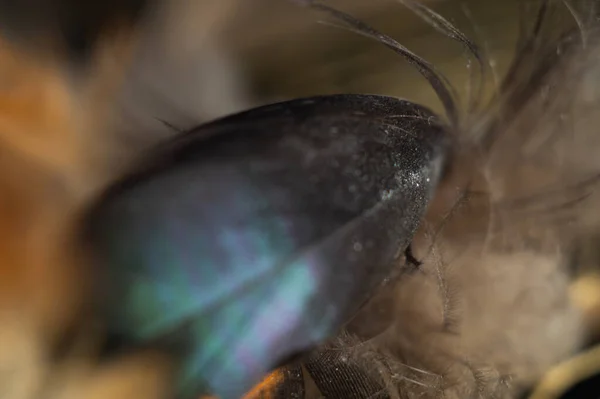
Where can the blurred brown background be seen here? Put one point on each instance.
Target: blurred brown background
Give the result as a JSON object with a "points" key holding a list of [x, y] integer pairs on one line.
{"points": [[285, 52]]}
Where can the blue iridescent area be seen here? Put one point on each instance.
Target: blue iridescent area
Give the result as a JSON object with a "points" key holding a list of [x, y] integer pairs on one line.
{"points": [[254, 238], [255, 261]]}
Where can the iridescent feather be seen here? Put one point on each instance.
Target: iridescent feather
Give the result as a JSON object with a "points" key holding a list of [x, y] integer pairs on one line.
{"points": [[252, 239]]}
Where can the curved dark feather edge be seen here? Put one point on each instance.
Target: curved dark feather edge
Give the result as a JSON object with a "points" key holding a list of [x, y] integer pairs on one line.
{"points": [[536, 58], [446, 28], [437, 81]]}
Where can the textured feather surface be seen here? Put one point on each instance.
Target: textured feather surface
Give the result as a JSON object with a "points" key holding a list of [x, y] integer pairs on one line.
{"points": [[253, 238]]}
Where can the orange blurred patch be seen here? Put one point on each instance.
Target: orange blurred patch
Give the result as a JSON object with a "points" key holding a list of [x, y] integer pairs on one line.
{"points": [[48, 124], [266, 389], [58, 118], [36, 108], [263, 390], [45, 125]]}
